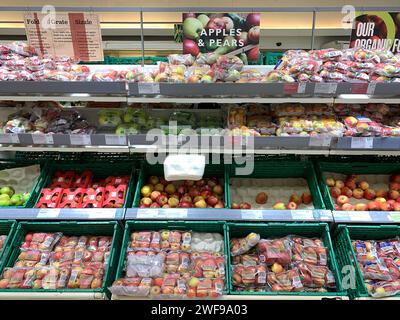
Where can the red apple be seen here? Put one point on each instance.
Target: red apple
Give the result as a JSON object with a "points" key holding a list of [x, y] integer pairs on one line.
{"points": [[361, 207], [373, 206], [369, 194], [161, 200], [181, 190], [330, 182], [337, 207], [186, 198], [235, 205], [394, 194], [347, 207], [385, 206], [219, 205], [163, 182], [194, 192], [339, 184], [254, 34], [205, 194], [190, 47], [218, 190], [245, 205], [154, 195], [342, 200], [216, 24], [252, 19], [363, 185], [334, 192], [252, 54], [394, 186], [350, 183], [189, 15], [358, 193], [292, 206], [146, 201], [212, 200], [185, 204], [155, 205], [306, 197], [346, 191], [381, 193], [296, 199], [396, 206], [143, 205], [395, 178]]}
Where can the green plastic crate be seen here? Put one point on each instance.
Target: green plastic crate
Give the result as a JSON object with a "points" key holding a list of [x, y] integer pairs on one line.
{"points": [[100, 170], [147, 170], [348, 168], [134, 60], [69, 228], [272, 58], [7, 227], [38, 185], [346, 256], [282, 169], [197, 226], [270, 230]]}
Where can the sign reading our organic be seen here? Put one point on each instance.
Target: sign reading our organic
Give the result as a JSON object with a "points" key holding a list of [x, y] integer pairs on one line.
{"points": [[76, 35], [376, 30], [222, 33]]}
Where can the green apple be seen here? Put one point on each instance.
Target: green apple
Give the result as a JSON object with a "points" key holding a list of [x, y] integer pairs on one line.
{"points": [[203, 19], [16, 200], [7, 190], [4, 196], [26, 196], [4, 203]]}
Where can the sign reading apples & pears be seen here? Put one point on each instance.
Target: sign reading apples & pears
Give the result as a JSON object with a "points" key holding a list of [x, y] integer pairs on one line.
{"points": [[218, 34]]}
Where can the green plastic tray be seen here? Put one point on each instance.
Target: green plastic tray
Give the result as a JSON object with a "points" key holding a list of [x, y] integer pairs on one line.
{"points": [[282, 169], [346, 256], [211, 170], [134, 60], [348, 168], [272, 58], [7, 227], [38, 185], [269, 230], [70, 228], [100, 170], [197, 226]]}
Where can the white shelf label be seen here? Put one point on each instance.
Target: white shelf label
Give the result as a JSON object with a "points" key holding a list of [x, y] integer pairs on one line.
{"points": [[252, 215], [146, 213], [172, 213], [320, 141], [48, 213], [94, 213], [327, 88], [371, 88], [42, 138], [360, 216], [302, 87], [362, 142], [302, 214], [113, 139], [149, 88], [80, 139]]}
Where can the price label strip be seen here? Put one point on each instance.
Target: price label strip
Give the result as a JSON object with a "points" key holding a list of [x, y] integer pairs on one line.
{"points": [[360, 216], [290, 87], [362, 142], [115, 140], [147, 213], [42, 139], [148, 88], [325, 88], [252, 215], [301, 87], [395, 216], [48, 213], [172, 213], [100, 213], [80, 139], [320, 141], [302, 214]]}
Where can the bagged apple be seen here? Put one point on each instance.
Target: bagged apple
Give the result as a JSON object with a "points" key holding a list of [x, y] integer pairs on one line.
{"points": [[381, 289], [287, 281], [315, 276], [142, 264], [130, 287], [275, 251], [243, 245], [209, 242]]}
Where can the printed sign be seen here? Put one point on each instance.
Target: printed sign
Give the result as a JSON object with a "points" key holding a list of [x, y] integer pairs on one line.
{"points": [[221, 34], [76, 35]]}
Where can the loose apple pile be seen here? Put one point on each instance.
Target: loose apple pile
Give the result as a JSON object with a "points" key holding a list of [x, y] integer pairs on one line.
{"points": [[286, 264], [380, 200], [167, 264], [69, 189], [262, 198], [379, 262], [56, 261], [160, 193], [8, 197]]}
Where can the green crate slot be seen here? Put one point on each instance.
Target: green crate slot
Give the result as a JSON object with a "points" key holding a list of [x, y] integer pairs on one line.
{"points": [[271, 230], [272, 58], [7, 227], [147, 170], [100, 170], [197, 226], [346, 256], [69, 228], [134, 60], [38, 185], [348, 168], [282, 169]]}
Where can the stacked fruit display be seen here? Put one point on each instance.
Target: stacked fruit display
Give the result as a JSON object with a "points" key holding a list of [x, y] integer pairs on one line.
{"points": [[8, 197], [160, 193], [379, 262], [269, 194], [288, 264], [70, 189], [354, 193], [170, 263], [56, 261]]}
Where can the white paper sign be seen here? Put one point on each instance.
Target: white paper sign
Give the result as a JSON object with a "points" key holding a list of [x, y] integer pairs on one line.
{"points": [[326, 88], [42, 139], [302, 214], [113, 139], [172, 213], [48, 213], [320, 141], [360, 216], [252, 215], [302, 87], [362, 142], [149, 88], [371, 88], [94, 213], [80, 139]]}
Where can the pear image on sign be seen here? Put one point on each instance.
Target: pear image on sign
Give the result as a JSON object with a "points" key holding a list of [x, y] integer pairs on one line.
{"points": [[222, 34]]}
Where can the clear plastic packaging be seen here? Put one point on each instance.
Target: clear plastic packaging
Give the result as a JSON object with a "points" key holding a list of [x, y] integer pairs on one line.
{"points": [[243, 245]]}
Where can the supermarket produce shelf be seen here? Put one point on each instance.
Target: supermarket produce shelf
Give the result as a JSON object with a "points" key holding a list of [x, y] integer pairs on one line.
{"points": [[249, 297], [227, 214], [52, 296], [62, 214], [370, 217]]}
